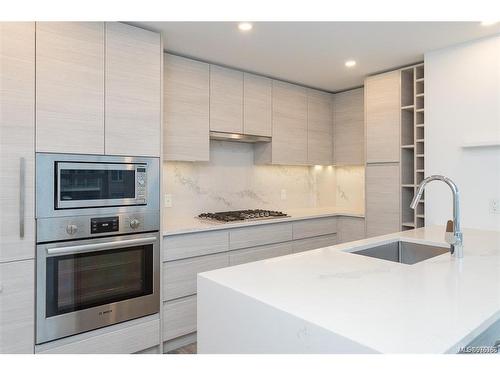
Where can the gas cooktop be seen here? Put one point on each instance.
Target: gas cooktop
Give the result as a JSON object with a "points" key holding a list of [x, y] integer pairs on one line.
{"points": [[242, 215]]}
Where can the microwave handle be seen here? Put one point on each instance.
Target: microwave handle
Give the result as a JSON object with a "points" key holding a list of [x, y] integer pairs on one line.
{"points": [[63, 250]]}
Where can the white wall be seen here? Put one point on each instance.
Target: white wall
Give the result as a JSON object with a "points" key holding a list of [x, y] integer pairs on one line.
{"points": [[231, 181], [462, 104]]}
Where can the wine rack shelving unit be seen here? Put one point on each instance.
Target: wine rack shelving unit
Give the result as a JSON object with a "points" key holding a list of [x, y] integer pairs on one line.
{"points": [[412, 144]]}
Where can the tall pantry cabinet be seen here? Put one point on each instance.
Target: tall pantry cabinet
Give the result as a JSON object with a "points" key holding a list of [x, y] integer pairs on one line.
{"points": [[382, 129], [17, 155]]}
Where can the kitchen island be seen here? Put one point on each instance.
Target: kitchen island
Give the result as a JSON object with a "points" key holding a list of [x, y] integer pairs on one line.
{"points": [[330, 300]]}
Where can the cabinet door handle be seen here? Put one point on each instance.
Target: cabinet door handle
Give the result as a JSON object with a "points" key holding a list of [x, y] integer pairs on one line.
{"points": [[22, 192]]}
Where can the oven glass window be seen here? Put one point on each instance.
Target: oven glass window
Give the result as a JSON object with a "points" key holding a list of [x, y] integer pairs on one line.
{"points": [[81, 281], [87, 184]]}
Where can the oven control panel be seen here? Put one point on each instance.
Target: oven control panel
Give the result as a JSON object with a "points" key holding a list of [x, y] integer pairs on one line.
{"points": [[104, 224]]}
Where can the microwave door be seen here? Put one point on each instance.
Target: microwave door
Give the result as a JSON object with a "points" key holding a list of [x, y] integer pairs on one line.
{"points": [[83, 185]]}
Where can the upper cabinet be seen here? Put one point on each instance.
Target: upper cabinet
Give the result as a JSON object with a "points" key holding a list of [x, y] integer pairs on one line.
{"points": [[289, 136], [98, 89], [70, 87], [319, 127], [132, 91], [186, 109], [257, 105], [226, 100], [348, 128], [382, 117]]}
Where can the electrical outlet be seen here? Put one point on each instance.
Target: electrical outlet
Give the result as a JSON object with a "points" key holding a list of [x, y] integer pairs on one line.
{"points": [[283, 194], [494, 206], [168, 200]]}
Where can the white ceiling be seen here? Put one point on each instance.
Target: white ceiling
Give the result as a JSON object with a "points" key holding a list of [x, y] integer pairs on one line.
{"points": [[313, 53]]}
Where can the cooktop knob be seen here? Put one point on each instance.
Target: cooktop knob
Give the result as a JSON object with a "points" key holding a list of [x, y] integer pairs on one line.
{"points": [[134, 223], [71, 229]]}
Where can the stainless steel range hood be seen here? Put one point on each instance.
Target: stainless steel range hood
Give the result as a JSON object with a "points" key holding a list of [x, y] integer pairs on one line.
{"points": [[235, 137]]}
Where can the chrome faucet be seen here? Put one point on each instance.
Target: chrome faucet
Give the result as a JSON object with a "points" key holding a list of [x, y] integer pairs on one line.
{"points": [[456, 240]]}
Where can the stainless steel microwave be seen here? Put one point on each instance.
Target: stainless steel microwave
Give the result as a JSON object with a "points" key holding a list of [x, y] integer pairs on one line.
{"points": [[81, 182]]}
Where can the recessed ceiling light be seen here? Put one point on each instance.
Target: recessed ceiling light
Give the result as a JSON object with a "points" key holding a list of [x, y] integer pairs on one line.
{"points": [[488, 23], [245, 26], [350, 63]]}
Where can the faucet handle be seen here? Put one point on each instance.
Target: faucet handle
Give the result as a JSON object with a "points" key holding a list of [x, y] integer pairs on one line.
{"points": [[449, 235]]}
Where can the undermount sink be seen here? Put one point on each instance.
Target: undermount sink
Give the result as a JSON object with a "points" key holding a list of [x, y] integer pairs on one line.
{"points": [[403, 252]]}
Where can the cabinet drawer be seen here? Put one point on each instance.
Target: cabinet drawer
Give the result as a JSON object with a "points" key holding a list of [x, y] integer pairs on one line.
{"points": [[17, 306], [124, 338], [179, 317], [314, 227], [259, 235], [259, 253], [179, 276], [314, 243], [196, 244]]}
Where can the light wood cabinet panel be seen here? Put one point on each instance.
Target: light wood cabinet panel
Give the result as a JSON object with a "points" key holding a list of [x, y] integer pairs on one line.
{"points": [[259, 235], [289, 124], [382, 199], [186, 109], [226, 100], [17, 140], [351, 228], [195, 244], [179, 317], [17, 307], [125, 338], [319, 128], [314, 243], [179, 276], [70, 87], [259, 253], [257, 105], [382, 116], [348, 128], [132, 91], [314, 227], [289, 143]]}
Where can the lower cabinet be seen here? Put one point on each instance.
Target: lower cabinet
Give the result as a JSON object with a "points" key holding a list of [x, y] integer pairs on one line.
{"points": [[179, 317], [186, 255], [351, 228], [382, 199], [17, 301], [129, 337], [180, 275]]}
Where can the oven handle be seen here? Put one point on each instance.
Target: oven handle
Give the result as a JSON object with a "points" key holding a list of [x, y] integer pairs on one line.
{"points": [[99, 246]]}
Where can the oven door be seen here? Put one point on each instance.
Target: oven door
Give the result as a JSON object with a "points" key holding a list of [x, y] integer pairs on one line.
{"points": [[84, 285], [83, 185]]}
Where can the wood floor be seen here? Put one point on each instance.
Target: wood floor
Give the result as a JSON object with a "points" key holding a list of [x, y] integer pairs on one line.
{"points": [[188, 349]]}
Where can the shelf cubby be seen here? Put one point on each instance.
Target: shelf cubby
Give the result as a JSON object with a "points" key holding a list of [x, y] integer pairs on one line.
{"points": [[407, 87], [407, 166], [419, 72], [419, 87]]}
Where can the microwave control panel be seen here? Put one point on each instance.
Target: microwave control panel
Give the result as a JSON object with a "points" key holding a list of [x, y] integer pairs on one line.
{"points": [[141, 184], [104, 224]]}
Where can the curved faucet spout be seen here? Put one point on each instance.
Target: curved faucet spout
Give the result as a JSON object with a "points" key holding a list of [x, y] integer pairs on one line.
{"points": [[456, 242]]}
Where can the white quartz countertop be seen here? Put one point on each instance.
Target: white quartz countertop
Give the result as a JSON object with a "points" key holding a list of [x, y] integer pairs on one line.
{"points": [[435, 306], [178, 225]]}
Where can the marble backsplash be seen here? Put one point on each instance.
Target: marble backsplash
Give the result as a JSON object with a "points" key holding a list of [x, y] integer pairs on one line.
{"points": [[231, 181]]}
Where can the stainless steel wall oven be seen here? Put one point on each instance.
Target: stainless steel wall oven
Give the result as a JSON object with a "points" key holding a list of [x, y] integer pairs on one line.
{"points": [[98, 253]]}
